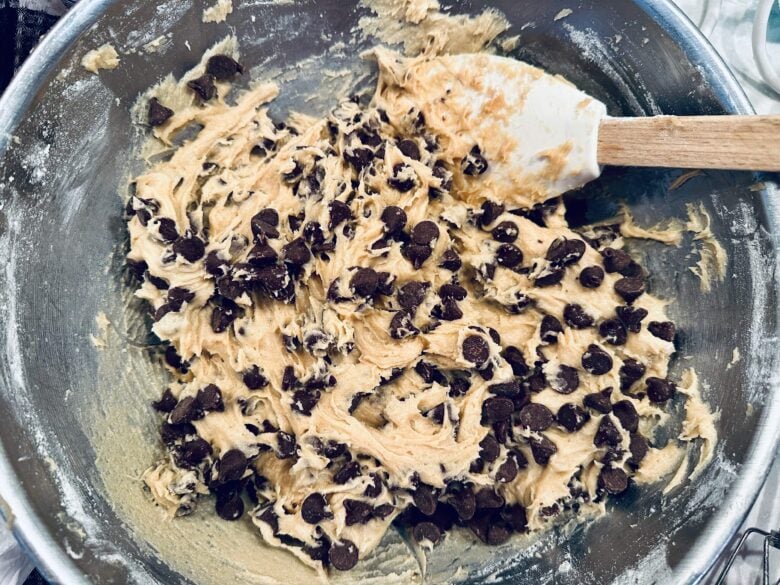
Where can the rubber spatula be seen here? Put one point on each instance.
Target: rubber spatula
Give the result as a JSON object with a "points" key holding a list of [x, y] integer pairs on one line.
{"points": [[542, 136]]}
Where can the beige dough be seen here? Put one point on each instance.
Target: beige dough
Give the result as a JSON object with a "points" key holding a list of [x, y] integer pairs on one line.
{"points": [[219, 12], [104, 57], [369, 394]]}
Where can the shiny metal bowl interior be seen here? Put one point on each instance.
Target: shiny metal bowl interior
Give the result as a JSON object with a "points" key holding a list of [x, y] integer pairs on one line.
{"points": [[61, 241]]}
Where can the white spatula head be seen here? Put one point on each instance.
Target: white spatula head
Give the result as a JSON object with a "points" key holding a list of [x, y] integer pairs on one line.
{"points": [[537, 132]]}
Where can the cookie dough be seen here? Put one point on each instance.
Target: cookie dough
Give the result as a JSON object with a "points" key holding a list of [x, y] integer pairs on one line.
{"points": [[104, 57], [358, 335]]}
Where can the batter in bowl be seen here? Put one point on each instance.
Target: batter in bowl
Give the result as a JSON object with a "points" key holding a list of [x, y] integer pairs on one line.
{"points": [[365, 328]]}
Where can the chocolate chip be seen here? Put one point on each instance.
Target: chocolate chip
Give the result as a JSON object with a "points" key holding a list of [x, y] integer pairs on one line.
{"points": [[286, 445], [304, 401], [349, 471], [223, 67], [550, 329], [409, 148], [638, 446], [498, 408], [425, 499], [476, 350], [607, 434], [417, 254], [516, 360], [364, 282], [506, 389], [166, 403], [662, 329], [232, 466], [215, 265], [262, 254], [627, 415], [167, 228], [296, 252], [515, 516], [464, 502], [313, 508], [489, 449], [592, 277], [430, 373], [542, 449], [268, 516], [613, 480], [359, 157], [599, 401], [450, 261], [339, 213], [343, 555], [507, 471], [566, 381], [630, 288], [615, 260], [254, 379], [447, 311], [173, 359], [497, 534], [576, 317], [190, 247], [289, 379], [572, 417], [509, 256], [172, 433], [402, 179], [631, 317], [210, 398], [357, 512], [426, 532], [402, 326], [374, 489], [229, 505], [193, 452], [550, 277], [394, 219], [158, 113], [459, 387], [490, 212], [203, 86], [453, 291], [563, 251], [596, 361], [506, 232], [262, 229], [424, 233], [186, 410], [536, 417], [613, 331], [488, 499], [474, 163], [412, 294], [658, 389], [630, 372], [137, 268]]}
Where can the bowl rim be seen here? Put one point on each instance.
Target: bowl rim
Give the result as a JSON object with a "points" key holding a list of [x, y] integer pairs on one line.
{"points": [[48, 554]]}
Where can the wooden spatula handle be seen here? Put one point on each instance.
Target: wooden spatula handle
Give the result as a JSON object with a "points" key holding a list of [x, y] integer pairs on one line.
{"points": [[692, 142]]}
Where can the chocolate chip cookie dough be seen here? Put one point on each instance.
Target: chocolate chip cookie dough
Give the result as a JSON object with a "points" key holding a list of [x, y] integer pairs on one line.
{"points": [[358, 335]]}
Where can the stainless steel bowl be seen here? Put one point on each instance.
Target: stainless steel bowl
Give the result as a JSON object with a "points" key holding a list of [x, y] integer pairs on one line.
{"points": [[74, 419]]}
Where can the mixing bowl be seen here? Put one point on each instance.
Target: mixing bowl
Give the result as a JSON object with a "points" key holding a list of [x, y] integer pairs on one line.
{"points": [[76, 421]]}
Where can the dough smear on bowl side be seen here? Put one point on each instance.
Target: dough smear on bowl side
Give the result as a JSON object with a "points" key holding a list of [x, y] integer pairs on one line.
{"points": [[367, 325]]}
